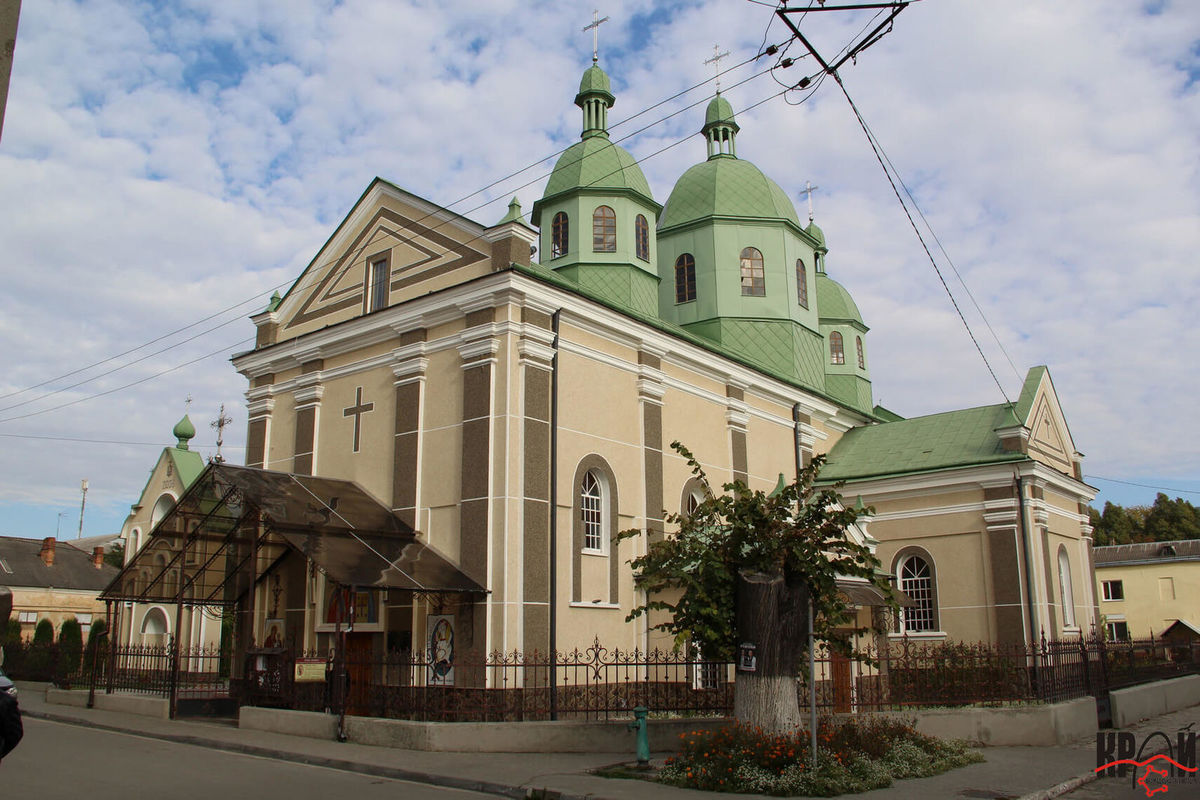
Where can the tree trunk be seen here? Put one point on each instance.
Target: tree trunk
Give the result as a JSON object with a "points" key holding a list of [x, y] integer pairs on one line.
{"points": [[772, 615]]}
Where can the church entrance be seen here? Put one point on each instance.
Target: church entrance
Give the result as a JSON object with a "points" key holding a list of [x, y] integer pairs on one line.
{"points": [[842, 684], [358, 668]]}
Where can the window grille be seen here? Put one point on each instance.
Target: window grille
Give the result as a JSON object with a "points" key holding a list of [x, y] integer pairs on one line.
{"points": [[641, 230], [837, 351], [590, 503], [685, 278], [604, 230], [916, 581], [753, 280], [560, 235]]}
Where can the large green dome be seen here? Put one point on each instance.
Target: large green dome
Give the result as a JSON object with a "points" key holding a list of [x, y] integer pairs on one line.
{"points": [[727, 187], [834, 302], [596, 163]]}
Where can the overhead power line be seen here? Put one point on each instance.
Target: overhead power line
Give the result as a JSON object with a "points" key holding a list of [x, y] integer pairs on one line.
{"points": [[1142, 485]]}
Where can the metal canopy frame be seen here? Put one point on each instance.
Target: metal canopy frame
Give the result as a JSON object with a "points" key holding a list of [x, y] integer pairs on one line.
{"points": [[234, 523]]}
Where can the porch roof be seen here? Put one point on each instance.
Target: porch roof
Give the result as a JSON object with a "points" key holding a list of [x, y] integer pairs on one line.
{"points": [[234, 523]]}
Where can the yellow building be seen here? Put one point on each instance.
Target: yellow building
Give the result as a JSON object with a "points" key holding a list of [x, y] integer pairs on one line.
{"points": [[1149, 587], [53, 580]]}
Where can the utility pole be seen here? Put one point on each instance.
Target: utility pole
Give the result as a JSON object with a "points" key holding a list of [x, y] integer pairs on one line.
{"points": [[82, 505], [58, 526]]}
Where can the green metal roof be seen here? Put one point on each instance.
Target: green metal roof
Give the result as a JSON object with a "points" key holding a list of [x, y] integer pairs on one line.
{"points": [[816, 233], [1033, 379], [595, 80], [596, 163], [719, 110], [183, 431], [729, 187], [834, 302], [922, 444], [514, 214], [188, 464]]}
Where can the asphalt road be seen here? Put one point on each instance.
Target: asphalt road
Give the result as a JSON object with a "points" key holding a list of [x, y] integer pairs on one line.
{"points": [[56, 760], [1123, 789]]}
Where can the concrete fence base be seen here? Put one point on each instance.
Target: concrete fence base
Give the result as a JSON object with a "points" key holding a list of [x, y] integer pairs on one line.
{"points": [[1153, 699], [1053, 724], [126, 703]]}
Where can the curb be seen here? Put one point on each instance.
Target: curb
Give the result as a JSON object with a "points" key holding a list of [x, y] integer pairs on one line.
{"points": [[1071, 784], [395, 773]]}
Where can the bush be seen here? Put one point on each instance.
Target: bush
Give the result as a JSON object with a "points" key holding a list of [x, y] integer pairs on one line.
{"points": [[11, 633], [44, 632], [856, 755], [70, 649]]}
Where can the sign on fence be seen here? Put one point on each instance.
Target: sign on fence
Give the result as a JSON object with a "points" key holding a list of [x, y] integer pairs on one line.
{"points": [[310, 669]]}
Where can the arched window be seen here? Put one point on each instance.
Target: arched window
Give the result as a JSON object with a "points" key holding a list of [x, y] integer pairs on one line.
{"points": [[685, 278], [916, 581], [604, 230], [560, 235], [837, 353], [801, 284], [155, 628], [753, 282], [862, 361], [1066, 592], [591, 504], [641, 230]]}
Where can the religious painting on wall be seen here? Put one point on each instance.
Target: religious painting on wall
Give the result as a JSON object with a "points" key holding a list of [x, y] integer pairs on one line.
{"points": [[441, 649], [351, 608], [274, 635]]}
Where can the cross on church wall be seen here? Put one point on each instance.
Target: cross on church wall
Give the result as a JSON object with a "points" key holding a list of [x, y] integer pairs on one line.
{"points": [[357, 410]]}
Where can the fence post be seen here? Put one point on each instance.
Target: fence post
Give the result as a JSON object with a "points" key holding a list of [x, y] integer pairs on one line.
{"points": [[95, 659]]}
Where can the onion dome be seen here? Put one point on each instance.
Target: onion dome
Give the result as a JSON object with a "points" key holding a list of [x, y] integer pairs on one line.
{"points": [[183, 431]]}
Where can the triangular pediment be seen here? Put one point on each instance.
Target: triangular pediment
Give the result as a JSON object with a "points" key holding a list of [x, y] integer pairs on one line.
{"points": [[425, 247], [1049, 438]]}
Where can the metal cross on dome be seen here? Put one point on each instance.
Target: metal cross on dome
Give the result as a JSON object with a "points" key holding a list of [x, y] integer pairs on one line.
{"points": [[716, 62], [595, 29]]}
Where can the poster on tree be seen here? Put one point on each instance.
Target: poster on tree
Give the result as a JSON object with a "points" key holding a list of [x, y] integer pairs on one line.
{"points": [[441, 649]]}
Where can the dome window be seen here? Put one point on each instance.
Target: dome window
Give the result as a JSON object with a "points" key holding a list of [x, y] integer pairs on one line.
{"points": [[560, 235], [801, 284], [641, 230], [685, 278], [862, 361], [604, 230], [753, 281], [837, 353]]}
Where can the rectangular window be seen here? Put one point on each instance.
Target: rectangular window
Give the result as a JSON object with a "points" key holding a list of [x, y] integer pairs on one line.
{"points": [[378, 290], [1113, 590], [27, 617], [83, 619], [1166, 588], [1116, 631]]}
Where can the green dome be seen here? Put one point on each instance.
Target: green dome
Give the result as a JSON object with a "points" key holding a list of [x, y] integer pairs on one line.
{"points": [[183, 430], [726, 187], [719, 110], [834, 302], [594, 80], [595, 163], [815, 232]]}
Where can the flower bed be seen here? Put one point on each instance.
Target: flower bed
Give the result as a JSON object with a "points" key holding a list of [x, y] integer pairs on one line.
{"points": [[853, 756]]}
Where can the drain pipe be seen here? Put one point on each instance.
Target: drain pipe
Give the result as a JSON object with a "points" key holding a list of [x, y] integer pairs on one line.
{"points": [[554, 519], [796, 438]]}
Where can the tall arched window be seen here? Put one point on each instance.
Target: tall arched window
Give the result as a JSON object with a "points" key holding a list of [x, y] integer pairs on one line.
{"points": [[685, 278], [604, 230], [1066, 592], [862, 361], [837, 352], [591, 504], [801, 284], [753, 282], [560, 235], [916, 581], [641, 230]]}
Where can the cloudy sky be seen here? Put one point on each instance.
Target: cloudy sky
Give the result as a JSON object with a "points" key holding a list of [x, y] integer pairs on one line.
{"points": [[165, 166]]}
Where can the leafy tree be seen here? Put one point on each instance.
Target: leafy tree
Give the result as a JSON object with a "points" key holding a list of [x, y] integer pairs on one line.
{"points": [[1171, 520], [115, 555], [1113, 526], [744, 567]]}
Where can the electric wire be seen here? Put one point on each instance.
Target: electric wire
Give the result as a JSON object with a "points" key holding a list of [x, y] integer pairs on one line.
{"points": [[1142, 485], [46, 437], [875, 148]]}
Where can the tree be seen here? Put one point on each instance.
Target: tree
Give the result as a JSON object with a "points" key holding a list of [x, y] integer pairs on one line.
{"points": [[70, 648], [43, 633], [115, 555], [743, 568]]}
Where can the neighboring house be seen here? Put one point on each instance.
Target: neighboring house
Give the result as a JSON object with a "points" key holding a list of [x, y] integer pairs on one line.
{"points": [[53, 580], [155, 623], [444, 436], [982, 517], [1149, 588]]}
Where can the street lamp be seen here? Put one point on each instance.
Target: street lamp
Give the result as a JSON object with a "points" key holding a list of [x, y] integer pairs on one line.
{"points": [[58, 527]]}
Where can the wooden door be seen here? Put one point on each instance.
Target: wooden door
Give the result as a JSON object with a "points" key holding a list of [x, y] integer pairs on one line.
{"points": [[841, 683], [359, 670]]}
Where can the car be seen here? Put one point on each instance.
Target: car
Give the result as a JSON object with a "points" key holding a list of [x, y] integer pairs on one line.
{"points": [[6, 684]]}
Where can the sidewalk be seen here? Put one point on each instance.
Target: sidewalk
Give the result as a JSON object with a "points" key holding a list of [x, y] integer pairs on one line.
{"points": [[1008, 772]]}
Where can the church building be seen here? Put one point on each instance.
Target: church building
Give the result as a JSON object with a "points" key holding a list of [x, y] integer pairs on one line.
{"points": [[450, 421]]}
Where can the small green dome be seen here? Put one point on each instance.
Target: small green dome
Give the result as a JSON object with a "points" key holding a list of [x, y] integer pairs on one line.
{"points": [[815, 232], [726, 187], [594, 80], [834, 302], [183, 431], [594, 163], [719, 110]]}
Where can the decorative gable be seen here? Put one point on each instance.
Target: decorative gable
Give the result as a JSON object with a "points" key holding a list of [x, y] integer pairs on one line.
{"points": [[1049, 439], [391, 247]]}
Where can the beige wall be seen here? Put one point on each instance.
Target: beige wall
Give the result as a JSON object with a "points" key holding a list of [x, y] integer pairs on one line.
{"points": [[56, 605]]}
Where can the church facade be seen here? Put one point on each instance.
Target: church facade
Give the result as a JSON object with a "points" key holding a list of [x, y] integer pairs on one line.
{"points": [[518, 413]]}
